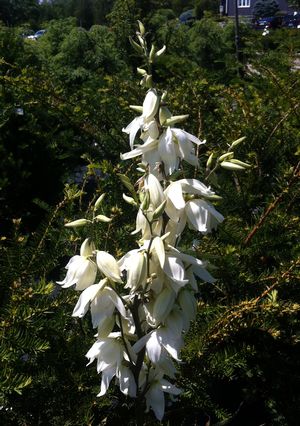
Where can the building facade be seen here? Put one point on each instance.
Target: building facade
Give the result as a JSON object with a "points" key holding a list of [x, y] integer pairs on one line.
{"points": [[245, 7]]}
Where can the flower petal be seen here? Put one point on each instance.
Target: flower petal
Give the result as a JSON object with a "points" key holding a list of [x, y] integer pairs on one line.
{"points": [[167, 151], [84, 300], [108, 266], [156, 400], [107, 376]]}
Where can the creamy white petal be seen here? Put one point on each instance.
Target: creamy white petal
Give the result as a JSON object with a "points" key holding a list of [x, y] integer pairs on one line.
{"points": [[84, 300], [86, 275], [138, 346], [183, 134], [133, 128], [171, 342], [174, 321], [148, 146], [107, 376], [102, 307], [202, 215], [167, 152], [156, 400], [188, 304], [194, 186], [150, 104], [163, 304], [153, 159], [117, 301], [127, 382], [153, 185], [105, 327], [108, 266], [174, 194], [151, 130], [136, 271], [94, 351], [169, 388], [125, 261], [175, 270], [87, 248], [159, 247]]}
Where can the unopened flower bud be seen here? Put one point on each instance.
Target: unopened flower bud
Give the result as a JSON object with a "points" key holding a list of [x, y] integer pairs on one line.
{"points": [[102, 218], [136, 46], [164, 96], [141, 71], [159, 211], [146, 201], [141, 40], [152, 53], [237, 142], [77, 223], [231, 166], [136, 108], [141, 28], [129, 200], [161, 51], [148, 81], [224, 156], [175, 119], [240, 163], [99, 201], [210, 160]]}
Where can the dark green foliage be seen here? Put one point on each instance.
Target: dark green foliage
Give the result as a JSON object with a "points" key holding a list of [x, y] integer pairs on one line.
{"points": [[241, 362], [202, 6], [264, 8]]}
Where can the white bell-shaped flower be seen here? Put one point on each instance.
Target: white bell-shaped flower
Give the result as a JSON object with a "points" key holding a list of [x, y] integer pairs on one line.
{"points": [[102, 300], [155, 398], [82, 270], [150, 108], [108, 266]]}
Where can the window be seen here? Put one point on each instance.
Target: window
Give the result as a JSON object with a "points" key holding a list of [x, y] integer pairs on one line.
{"points": [[243, 3]]}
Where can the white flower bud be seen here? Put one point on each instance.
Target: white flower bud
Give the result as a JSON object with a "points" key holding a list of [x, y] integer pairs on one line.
{"points": [[161, 51], [136, 108], [129, 200], [77, 223], [237, 142], [99, 201], [176, 119], [240, 163], [230, 166], [141, 28], [102, 218], [224, 156]]}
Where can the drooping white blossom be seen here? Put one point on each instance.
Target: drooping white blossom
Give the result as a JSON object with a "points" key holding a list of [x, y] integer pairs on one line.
{"points": [[150, 107], [145, 301], [82, 270]]}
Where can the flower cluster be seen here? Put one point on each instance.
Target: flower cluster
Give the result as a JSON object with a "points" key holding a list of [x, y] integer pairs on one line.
{"points": [[143, 303]]}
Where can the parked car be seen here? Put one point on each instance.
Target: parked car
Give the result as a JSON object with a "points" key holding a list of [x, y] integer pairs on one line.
{"points": [[270, 22], [36, 35], [291, 21], [188, 17]]}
